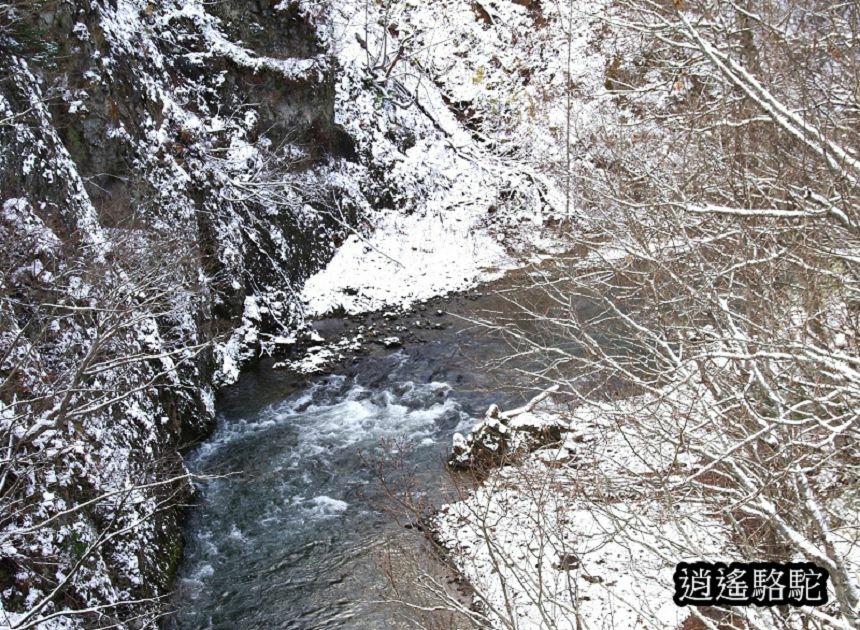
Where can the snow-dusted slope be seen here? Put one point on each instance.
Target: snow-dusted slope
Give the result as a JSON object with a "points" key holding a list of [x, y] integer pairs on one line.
{"points": [[143, 195], [172, 174], [465, 119]]}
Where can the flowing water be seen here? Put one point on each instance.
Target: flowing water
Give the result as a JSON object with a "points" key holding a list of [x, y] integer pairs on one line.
{"points": [[289, 538], [291, 534]]}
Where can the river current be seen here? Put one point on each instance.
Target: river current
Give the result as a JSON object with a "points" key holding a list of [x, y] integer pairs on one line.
{"points": [[290, 535]]}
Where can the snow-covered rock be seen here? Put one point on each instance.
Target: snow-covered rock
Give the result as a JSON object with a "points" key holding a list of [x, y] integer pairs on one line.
{"points": [[505, 437]]}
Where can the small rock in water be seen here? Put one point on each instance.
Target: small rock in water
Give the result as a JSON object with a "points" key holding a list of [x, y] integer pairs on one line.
{"points": [[392, 342]]}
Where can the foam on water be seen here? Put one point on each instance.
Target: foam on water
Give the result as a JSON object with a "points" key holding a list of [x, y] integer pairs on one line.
{"points": [[292, 515], [326, 506], [358, 416]]}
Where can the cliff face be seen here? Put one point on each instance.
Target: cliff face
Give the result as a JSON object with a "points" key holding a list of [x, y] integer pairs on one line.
{"points": [[162, 183], [171, 173]]}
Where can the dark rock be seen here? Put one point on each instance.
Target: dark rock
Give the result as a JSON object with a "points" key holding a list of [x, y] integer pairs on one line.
{"points": [[567, 562], [502, 437]]}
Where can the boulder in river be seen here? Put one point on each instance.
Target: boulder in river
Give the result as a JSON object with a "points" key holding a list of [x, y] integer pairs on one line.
{"points": [[501, 435]]}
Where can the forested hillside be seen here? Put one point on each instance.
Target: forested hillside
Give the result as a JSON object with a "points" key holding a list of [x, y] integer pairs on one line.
{"points": [[187, 185]]}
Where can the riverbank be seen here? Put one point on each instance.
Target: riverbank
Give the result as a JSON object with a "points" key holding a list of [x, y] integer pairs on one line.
{"points": [[303, 521], [562, 530]]}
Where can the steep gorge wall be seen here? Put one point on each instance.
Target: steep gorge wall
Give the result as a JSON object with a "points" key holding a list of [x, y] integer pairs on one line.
{"points": [[163, 168], [170, 175]]}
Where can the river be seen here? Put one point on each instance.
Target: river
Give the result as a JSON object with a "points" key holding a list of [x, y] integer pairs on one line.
{"points": [[292, 534]]}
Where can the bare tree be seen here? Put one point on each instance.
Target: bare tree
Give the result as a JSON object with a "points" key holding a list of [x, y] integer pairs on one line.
{"points": [[89, 340], [708, 315]]}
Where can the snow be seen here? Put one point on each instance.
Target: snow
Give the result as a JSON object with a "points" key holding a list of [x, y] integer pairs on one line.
{"points": [[546, 544], [586, 532], [317, 359], [433, 205], [459, 149], [475, 191], [407, 259]]}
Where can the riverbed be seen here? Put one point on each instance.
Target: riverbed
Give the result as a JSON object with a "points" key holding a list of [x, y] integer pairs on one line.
{"points": [[294, 532]]}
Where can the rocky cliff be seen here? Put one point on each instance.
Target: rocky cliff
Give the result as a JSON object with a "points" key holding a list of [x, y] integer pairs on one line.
{"points": [[171, 173], [167, 172]]}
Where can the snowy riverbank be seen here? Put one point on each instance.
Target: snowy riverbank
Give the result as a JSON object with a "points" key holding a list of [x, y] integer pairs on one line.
{"points": [[585, 531]]}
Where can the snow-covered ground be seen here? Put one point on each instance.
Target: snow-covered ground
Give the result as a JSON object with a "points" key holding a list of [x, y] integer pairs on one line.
{"points": [[584, 533], [478, 180], [567, 536], [404, 260]]}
